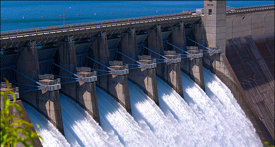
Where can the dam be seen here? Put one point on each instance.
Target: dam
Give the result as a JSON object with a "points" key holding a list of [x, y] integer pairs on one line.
{"points": [[183, 79]]}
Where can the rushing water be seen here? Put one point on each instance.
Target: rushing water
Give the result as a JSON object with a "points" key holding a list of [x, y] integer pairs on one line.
{"points": [[210, 118], [113, 117], [171, 101], [81, 129], [230, 109], [220, 129], [51, 136], [166, 128]]}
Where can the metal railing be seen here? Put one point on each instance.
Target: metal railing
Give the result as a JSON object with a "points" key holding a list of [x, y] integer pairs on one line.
{"points": [[100, 23], [251, 8]]}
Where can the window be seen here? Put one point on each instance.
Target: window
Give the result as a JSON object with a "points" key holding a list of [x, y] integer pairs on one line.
{"points": [[209, 11], [210, 0]]}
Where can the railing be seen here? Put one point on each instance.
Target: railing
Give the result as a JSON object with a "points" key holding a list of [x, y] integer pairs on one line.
{"points": [[251, 8], [92, 23]]}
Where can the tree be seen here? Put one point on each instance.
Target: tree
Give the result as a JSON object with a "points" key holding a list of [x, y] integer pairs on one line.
{"points": [[13, 128]]}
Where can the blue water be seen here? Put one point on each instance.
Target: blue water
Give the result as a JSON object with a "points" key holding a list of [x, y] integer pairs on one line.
{"points": [[32, 11]]}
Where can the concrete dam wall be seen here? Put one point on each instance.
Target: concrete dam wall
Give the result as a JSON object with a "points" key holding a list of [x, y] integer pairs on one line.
{"points": [[253, 64], [235, 46], [247, 23]]}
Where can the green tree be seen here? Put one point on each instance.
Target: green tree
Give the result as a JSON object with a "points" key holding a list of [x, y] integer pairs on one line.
{"points": [[13, 128]]}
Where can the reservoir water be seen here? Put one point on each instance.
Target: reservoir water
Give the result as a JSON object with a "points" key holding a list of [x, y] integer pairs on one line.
{"points": [[33, 14]]}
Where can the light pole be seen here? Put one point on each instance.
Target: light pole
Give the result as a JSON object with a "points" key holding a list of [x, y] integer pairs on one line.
{"points": [[183, 8], [64, 16]]}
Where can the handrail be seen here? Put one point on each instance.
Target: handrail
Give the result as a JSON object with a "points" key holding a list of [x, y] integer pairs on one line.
{"points": [[251, 8], [88, 23]]}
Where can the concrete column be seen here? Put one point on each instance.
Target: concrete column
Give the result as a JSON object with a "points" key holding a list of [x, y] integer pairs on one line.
{"points": [[172, 73], [214, 62], [67, 60], [118, 84], [178, 36], [84, 91], [100, 52], [144, 77], [27, 63], [128, 44], [47, 103], [155, 43], [115, 84], [200, 34], [196, 66]]}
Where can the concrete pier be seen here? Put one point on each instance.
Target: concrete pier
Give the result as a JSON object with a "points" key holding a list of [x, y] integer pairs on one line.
{"points": [[84, 91], [195, 66], [118, 84], [169, 71], [172, 73], [115, 84], [128, 45], [178, 36], [46, 102], [155, 43], [100, 52], [144, 77]]}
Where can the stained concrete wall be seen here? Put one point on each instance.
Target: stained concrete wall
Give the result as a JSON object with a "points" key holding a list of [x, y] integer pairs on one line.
{"points": [[255, 77], [265, 44], [47, 103], [250, 23], [83, 93]]}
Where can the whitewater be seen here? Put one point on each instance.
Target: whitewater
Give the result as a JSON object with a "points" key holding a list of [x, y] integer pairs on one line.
{"points": [[202, 118], [81, 129], [114, 117], [51, 136]]}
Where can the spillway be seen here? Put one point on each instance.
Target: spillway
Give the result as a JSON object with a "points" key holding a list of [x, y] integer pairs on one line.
{"points": [[51, 136], [210, 118], [114, 117], [171, 101], [166, 128], [224, 100], [81, 129], [220, 131]]}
